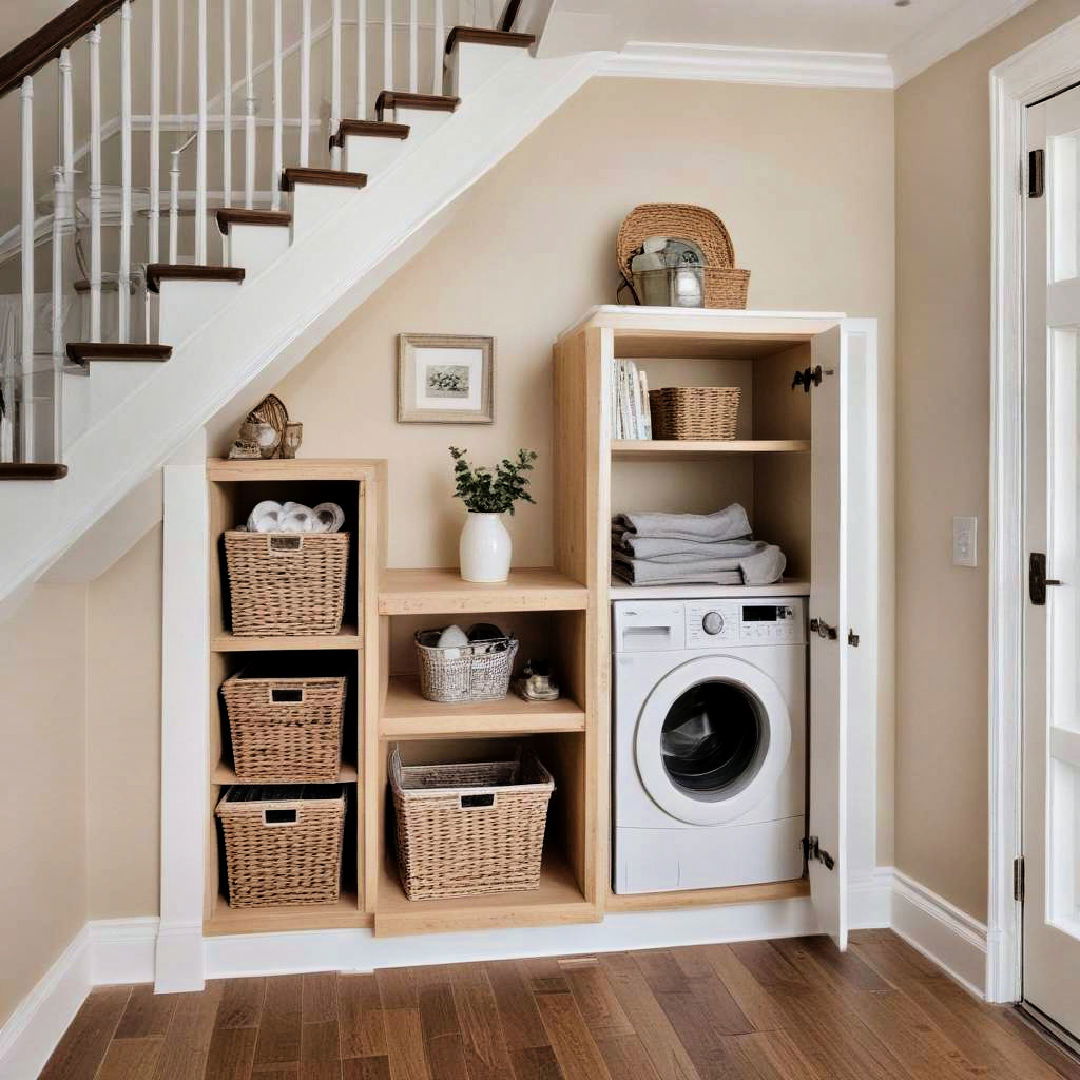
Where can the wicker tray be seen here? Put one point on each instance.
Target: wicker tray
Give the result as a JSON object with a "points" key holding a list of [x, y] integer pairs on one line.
{"points": [[479, 671], [468, 829], [283, 845], [723, 285], [286, 731], [283, 584], [695, 412]]}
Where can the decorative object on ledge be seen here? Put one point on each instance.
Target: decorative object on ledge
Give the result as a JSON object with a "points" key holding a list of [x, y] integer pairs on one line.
{"points": [[485, 549], [446, 379], [265, 434], [675, 255], [294, 436], [476, 669], [537, 682]]}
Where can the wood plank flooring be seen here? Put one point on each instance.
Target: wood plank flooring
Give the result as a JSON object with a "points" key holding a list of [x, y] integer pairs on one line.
{"points": [[784, 1010]]}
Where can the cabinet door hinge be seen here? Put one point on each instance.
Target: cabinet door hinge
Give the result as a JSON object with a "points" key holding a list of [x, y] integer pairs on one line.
{"points": [[814, 852], [822, 629], [1018, 879], [808, 378], [1036, 174], [853, 639]]}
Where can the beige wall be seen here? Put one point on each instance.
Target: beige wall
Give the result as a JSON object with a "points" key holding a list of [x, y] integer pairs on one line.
{"points": [[42, 785], [942, 397]]}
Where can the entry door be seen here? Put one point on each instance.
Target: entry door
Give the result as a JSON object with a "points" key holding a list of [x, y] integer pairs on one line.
{"points": [[1051, 767], [840, 513]]}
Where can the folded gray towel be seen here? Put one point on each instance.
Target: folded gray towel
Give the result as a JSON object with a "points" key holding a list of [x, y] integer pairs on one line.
{"points": [[728, 577], [761, 564], [731, 523], [662, 549]]}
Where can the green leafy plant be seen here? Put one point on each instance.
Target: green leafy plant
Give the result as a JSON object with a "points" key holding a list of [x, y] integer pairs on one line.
{"points": [[486, 490]]}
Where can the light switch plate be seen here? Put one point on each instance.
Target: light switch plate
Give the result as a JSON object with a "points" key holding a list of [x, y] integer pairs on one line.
{"points": [[965, 541]]}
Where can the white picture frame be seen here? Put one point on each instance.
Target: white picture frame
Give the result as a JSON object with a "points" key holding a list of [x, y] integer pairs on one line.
{"points": [[446, 379]]}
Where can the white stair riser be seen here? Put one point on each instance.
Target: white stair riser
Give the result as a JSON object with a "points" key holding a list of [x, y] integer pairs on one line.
{"points": [[470, 66], [89, 398], [421, 122], [372, 155], [255, 247], [182, 307], [312, 202]]}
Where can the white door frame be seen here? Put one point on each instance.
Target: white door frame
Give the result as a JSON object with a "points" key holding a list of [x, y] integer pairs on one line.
{"points": [[1046, 66]]}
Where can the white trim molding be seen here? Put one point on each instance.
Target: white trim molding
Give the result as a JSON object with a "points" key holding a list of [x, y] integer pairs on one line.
{"points": [[1047, 65], [738, 63]]}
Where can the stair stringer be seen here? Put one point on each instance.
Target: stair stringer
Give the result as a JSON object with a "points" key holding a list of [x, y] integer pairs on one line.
{"points": [[276, 318]]}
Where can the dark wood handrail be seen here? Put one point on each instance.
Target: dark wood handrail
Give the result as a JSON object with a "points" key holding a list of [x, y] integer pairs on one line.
{"points": [[34, 52]]}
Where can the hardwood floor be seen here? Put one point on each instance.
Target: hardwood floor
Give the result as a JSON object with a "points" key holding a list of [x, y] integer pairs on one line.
{"points": [[784, 1010]]}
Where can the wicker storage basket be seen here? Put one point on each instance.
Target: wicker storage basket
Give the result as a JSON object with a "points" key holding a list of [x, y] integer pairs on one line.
{"points": [[479, 671], [283, 845], [285, 583], [694, 412], [286, 731], [466, 829], [723, 285]]}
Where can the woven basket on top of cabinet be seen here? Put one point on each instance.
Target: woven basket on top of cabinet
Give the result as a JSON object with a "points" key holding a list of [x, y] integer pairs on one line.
{"points": [[695, 412], [283, 844], [723, 284], [285, 731], [282, 584], [467, 829]]}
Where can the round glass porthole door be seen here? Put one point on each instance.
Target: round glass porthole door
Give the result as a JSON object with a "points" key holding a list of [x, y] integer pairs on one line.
{"points": [[712, 737]]}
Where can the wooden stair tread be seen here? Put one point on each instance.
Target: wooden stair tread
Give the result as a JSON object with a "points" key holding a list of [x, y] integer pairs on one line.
{"points": [[477, 35], [156, 273], [396, 99], [229, 216], [33, 470], [328, 177], [83, 286], [380, 129], [82, 352]]}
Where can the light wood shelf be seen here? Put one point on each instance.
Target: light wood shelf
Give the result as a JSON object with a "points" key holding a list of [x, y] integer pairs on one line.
{"points": [[406, 714], [347, 639], [224, 774], [442, 592], [226, 920], [702, 449], [620, 590], [558, 901], [736, 894]]}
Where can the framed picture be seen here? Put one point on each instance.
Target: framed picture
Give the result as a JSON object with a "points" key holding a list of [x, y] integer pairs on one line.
{"points": [[446, 379]]}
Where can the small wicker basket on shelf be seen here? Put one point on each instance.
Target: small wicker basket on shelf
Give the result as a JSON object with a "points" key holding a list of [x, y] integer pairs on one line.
{"points": [[285, 731], [282, 584], [695, 412], [479, 671], [282, 844], [467, 829], [723, 284]]}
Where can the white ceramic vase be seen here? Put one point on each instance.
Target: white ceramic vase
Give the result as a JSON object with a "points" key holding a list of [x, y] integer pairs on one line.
{"points": [[485, 548]]}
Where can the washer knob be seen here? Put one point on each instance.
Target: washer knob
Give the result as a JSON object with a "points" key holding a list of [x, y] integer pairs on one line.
{"points": [[712, 623]]}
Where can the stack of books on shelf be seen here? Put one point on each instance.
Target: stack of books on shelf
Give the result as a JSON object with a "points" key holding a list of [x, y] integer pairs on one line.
{"points": [[631, 418]]}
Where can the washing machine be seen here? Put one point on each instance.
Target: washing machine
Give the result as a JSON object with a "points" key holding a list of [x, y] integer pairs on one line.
{"points": [[710, 742]]}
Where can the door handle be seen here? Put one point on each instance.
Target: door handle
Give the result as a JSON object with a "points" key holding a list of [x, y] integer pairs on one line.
{"points": [[1037, 579], [823, 629]]}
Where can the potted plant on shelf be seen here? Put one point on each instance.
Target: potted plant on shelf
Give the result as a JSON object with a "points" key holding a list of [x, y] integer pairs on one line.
{"points": [[489, 494]]}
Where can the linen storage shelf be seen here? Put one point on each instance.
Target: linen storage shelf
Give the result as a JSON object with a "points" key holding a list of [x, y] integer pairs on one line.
{"points": [[469, 829], [283, 844], [285, 731], [695, 412], [478, 671], [283, 584]]}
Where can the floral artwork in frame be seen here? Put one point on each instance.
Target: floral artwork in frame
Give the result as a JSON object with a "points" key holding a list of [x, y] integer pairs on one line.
{"points": [[446, 379]]}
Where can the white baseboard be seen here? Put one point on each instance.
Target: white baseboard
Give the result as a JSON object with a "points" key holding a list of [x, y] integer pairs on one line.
{"points": [[122, 950], [949, 937], [870, 899]]}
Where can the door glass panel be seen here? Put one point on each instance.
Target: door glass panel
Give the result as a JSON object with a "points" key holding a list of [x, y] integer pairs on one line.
{"points": [[714, 739], [1064, 153]]}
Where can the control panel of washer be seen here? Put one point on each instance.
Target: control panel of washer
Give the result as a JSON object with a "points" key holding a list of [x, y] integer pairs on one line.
{"points": [[745, 622]]}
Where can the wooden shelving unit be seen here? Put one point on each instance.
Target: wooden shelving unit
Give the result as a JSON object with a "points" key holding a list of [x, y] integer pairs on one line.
{"points": [[224, 775], [442, 592], [699, 450], [345, 914], [348, 639], [735, 894]]}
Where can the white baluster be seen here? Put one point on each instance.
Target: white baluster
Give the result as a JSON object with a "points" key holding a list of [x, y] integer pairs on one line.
{"points": [[335, 78], [179, 53], [388, 44], [25, 449], [174, 205], [361, 59], [67, 126], [126, 212], [437, 48], [59, 214], [226, 100], [249, 106], [278, 151], [153, 218], [95, 183], [305, 83], [414, 47], [201, 132]]}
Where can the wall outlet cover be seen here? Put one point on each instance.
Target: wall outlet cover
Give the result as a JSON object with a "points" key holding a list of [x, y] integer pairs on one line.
{"points": [[965, 541]]}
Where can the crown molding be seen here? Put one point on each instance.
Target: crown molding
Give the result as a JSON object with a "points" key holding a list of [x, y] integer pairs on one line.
{"points": [[949, 33], [737, 63]]}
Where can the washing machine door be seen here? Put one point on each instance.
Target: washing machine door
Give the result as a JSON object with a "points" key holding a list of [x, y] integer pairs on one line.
{"points": [[712, 739]]}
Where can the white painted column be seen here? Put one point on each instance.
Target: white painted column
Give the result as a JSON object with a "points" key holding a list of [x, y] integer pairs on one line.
{"points": [[226, 100], [249, 106], [95, 183], [305, 83], [26, 239], [123, 285], [278, 154], [202, 128], [153, 220], [335, 79]]}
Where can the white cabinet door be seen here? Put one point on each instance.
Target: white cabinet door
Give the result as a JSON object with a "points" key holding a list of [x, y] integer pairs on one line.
{"points": [[842, 514]]}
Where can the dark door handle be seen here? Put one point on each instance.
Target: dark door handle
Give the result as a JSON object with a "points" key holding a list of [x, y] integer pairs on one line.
{"points": [[1037, 579]]}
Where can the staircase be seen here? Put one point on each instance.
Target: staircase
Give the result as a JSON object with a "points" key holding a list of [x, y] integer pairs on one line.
{"points": [[184, 282]]}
